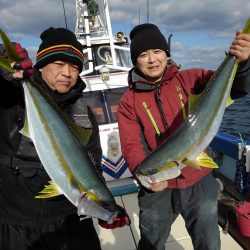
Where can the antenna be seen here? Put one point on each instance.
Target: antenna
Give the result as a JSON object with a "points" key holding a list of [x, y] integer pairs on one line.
{"points": [[147, 11], [65, 19]]}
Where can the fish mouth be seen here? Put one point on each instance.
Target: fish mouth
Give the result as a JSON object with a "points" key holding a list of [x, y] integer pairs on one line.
{"points": [[158, 175]]}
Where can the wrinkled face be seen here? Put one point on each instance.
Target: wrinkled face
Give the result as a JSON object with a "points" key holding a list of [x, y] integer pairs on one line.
{"points": [[60, 75], [152, 64]]}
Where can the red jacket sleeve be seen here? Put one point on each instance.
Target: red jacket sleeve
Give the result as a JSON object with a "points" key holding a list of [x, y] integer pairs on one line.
{"points": [[130, 133]]}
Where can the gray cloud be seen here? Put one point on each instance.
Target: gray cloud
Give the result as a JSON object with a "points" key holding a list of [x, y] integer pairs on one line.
{"points": [[217, 20]]}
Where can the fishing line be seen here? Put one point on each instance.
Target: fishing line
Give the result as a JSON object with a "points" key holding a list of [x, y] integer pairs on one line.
{"points": [[65, 18]]}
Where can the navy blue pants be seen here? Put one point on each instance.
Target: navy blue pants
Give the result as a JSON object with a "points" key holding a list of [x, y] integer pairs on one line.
{"points": [[197, 205], [70, 234]]}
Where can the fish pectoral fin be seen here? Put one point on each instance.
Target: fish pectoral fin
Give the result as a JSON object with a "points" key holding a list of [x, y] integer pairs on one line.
{"points": [[167, 166], [206, 161], [158, 169], [49, 191], [92, 197]]}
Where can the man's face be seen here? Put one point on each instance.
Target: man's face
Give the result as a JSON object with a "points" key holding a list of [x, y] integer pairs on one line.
{"points": [[60, 75], [152, 64]]}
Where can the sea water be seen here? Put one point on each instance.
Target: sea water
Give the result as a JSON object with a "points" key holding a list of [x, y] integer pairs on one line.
{"points": [[236, 119]]}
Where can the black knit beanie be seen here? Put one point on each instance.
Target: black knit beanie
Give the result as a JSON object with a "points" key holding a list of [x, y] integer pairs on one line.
{"points": [[144, 37], [59, 44]]}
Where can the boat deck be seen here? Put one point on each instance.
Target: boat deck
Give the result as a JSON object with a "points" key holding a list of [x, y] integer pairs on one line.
{"points": [[127, 238]]}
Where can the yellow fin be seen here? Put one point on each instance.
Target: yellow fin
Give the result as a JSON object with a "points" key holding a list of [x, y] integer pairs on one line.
{"points": [[229, 101], [5, 65], [206, 161], [49, 191], [25, 130], [246, 28], [8, 45]]}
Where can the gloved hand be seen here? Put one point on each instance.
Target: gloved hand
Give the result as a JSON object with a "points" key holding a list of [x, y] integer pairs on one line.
{"points": [[120, 220], [25, 62]]}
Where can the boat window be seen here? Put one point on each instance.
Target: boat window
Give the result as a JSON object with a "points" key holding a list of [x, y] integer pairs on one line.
{"points": [[102, 56], [104, 103], [123, 58]]}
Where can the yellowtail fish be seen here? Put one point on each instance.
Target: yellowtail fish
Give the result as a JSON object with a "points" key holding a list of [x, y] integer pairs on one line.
{"points": [[186, 145]]}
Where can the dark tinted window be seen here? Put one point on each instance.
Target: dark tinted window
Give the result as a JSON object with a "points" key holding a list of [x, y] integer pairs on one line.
{"points": [[104, 103]]}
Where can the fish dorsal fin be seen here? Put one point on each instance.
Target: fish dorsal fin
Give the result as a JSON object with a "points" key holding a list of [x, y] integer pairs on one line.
{"points": [[193, 100], [8, 45], [50, 190], [229, 101], [25, 129]]}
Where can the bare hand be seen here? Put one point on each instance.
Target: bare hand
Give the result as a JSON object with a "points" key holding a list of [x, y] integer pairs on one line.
{"points": [[158, 186], [240, 47], [18, 74]]}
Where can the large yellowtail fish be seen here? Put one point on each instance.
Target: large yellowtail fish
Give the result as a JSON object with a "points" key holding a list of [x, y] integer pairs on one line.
{"points": [[60, 144], [186, 144]]}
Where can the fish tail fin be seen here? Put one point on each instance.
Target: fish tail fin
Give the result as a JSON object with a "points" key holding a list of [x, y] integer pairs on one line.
{"points": [[11, 51], [5, 65], [50, 190], [246, 28]]}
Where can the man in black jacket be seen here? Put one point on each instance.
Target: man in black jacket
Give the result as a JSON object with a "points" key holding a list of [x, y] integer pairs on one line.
{"points": [[27, 222]]}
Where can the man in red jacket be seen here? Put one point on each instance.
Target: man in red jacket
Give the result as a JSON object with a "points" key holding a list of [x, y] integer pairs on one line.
{"points": [[153, 107]]}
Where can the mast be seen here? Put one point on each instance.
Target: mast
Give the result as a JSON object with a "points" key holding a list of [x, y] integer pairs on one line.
{"points": [[100, 46]]}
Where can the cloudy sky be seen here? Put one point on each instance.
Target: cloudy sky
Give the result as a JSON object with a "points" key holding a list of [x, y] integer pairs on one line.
{"points": [[202, 30]]}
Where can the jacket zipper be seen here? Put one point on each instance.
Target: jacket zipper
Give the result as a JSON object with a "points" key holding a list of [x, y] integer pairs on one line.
{"points": [[151, 118], [182, 102]]}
